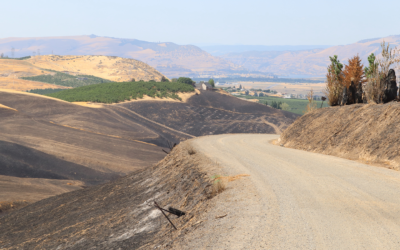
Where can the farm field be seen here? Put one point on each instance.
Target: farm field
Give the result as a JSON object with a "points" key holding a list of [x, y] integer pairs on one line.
{"points": [[296, 106], [118, 92], [289, 88]]}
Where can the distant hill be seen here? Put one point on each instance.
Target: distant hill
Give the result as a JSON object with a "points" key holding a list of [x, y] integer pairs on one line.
{"points": [[222, 61], [50, 71], [306, 62], [218, 50], [169, 58]]}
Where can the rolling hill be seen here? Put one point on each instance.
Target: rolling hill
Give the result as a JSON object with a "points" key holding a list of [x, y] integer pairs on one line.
{"points": [[175, 60], [169, 58], [63, 72], [94, 144], [306, 62]]}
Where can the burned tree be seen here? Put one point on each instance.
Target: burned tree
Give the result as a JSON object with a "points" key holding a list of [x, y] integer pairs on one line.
{"points": [[389, 92]]}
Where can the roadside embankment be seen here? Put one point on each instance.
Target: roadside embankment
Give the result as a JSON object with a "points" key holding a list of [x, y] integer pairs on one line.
{"points": [[366, 133], [119, 214]]}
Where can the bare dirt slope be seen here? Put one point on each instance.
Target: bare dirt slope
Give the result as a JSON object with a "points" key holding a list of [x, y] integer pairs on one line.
{"points": [[367, 133]]}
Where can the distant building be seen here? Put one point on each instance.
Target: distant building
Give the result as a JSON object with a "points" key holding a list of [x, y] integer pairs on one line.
{"points": [[286, 96], [206, 86]]}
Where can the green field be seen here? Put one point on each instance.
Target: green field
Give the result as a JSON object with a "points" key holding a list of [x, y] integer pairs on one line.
{"points": [[115, 92], [67, 80], [297, 106]]}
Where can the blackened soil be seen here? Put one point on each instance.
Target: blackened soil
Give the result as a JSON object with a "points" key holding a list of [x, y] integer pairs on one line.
{"points": [[21, 161], [116, 215], [214, 113]]}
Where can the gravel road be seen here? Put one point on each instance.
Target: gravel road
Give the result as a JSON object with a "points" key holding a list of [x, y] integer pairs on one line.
{"points": [[297, 200]]}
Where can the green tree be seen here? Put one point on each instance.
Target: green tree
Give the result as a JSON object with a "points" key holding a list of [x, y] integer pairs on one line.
{"points": [[337, 66], [266, 103], [369, 71], [211, 82], [164, 79], [186, 80], [285, 106]]}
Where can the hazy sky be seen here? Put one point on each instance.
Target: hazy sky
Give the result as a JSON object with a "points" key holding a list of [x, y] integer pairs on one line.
{"points": [[250, 22]]}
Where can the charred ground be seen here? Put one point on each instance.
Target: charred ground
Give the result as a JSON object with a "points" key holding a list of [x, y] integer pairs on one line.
{"points": [[362, 132], [118, 214], [49, 139]]}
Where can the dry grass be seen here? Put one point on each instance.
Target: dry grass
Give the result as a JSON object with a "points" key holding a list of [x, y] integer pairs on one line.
{"points": [[219, 185], [221, 182], [11, 205], [191, 150], [312, 105]]}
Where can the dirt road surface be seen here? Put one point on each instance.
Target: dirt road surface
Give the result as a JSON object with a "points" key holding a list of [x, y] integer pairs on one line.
{"points": [[297, 200]]}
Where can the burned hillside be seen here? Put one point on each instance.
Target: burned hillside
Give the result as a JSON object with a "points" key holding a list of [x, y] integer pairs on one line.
{"points": [[363, 132]]}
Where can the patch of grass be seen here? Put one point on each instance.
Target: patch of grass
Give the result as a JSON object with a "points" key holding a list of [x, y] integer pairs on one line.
{"points": [[67, 80], [44, 91], [11, 205], [219, 185], [115, 92], [191, 150]]}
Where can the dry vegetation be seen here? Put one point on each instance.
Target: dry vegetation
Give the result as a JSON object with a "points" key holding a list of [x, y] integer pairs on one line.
{"points": [[312, 105], [366, 83], [11, 205]]}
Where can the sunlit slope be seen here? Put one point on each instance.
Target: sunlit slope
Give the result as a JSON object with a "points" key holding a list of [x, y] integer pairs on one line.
{"points": [[108, 67], [11, 70], [171, 59]]}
